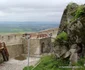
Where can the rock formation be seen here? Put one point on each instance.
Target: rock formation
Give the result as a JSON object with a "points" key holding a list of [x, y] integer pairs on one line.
{"points": [[71, 31]]}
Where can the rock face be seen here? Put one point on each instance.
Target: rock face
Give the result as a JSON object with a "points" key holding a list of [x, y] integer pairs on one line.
{"points": [[67, 16], [73, 24]]}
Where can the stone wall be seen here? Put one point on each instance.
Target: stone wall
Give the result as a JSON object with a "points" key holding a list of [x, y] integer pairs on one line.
{"points": [[17, 44], [46, 48], [11, 39], [15, 50], [36, 46], [25, 45], [13, 43]]}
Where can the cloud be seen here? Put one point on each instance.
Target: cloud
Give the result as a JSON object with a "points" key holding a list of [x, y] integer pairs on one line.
{"points": [[33, 10]]}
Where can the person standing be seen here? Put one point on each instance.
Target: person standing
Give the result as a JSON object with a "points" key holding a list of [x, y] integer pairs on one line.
{"points": [[4, 52]]}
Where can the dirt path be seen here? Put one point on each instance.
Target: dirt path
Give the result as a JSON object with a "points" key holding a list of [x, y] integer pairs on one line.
{"points": [[13, 64]]}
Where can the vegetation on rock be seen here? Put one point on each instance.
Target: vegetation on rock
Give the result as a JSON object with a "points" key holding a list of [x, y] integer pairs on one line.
{"points": [[62, 36], [80, 11], [72, 32]]}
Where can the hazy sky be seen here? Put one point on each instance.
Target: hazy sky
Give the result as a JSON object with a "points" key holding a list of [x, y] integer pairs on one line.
{"points": [[33, 10]]}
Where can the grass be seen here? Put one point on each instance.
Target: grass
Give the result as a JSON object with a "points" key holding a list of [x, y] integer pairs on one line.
{"points": [[50, 63], [26, 68]]}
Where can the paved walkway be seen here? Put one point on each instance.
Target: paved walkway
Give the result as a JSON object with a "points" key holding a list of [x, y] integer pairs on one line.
{"points": [[13, 64]]}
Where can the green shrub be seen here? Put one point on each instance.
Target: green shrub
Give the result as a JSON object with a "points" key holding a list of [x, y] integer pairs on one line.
{"points": [[62, 36], [79, 12]]}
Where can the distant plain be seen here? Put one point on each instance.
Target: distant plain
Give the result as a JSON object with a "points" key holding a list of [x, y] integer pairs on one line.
{"points": [[22, 27]]}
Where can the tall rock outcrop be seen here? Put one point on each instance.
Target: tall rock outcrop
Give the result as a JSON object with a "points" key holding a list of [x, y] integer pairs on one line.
{"points": [[71, 30]]}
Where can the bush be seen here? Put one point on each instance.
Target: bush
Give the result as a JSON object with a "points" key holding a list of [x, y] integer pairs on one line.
{"points": [[79, 12], [62, 36]]}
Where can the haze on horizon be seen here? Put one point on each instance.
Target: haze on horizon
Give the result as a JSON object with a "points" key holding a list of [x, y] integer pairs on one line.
{"points": [[33, 10]]}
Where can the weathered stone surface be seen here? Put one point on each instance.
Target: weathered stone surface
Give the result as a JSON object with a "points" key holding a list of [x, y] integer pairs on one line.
{"points": [[73, 23], [15, 50], [67, 16]]}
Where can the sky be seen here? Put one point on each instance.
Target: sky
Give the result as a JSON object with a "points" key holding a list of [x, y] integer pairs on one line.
{"points": [[33, 10]]}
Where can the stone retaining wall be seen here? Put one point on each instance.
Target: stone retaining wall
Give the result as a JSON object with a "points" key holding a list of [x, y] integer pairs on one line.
{"points": [[15, 50], [17, 44]]}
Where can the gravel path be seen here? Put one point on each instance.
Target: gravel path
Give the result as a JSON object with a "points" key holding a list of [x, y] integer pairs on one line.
{"points": [[13, 64]]}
